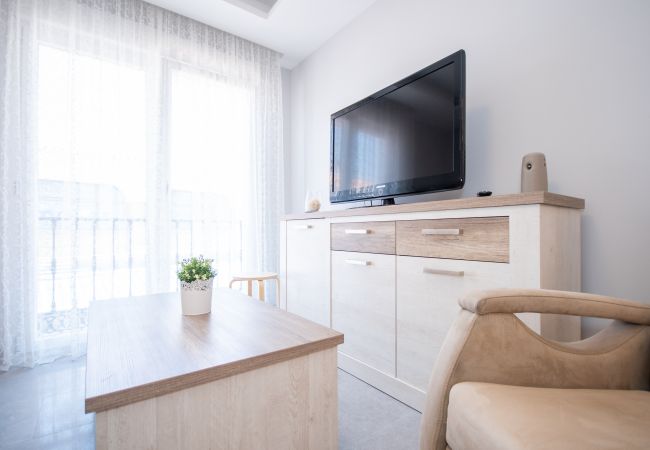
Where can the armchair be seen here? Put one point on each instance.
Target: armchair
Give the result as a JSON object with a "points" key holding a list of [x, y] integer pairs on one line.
{"points": [[498, 384]]}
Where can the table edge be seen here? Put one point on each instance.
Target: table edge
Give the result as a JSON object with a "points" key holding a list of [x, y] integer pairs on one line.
{"points": [[104, 402]]}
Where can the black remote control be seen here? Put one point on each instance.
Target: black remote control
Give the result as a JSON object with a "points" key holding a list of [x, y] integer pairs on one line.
{"points": [[484, 193]]}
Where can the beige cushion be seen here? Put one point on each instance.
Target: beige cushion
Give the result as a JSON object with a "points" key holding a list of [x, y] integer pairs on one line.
{"points": [[493, 416]]}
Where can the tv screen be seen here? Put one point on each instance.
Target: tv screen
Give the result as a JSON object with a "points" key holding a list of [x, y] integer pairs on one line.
{"points": [[405, 139]]}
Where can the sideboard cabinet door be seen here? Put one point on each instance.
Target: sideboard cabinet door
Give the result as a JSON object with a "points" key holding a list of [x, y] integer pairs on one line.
{"points": [[308, 269], [428, 290], [363, 307]]}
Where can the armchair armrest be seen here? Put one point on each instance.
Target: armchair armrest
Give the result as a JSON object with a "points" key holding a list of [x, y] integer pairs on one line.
{"points": [[488, 343], [555, 302]]}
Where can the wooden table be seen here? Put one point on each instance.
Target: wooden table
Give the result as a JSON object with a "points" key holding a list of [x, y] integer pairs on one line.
{"points": [[247, 376]]}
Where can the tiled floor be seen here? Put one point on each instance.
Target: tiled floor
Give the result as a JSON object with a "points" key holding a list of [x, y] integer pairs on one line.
{"points": [[370, 419], [42, 408]]}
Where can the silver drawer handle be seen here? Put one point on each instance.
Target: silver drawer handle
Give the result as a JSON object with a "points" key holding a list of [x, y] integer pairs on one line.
{"points": [[453, 273], [357, 262], [360, 231], [303, 227], [442, 231]]}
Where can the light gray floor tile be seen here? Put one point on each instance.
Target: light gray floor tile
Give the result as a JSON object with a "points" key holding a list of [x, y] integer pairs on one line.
{"points": [[43, 407], [370, 419], [77, 438]]}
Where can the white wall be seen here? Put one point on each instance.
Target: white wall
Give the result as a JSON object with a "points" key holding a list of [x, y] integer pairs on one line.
{"points": [[569, 78]]}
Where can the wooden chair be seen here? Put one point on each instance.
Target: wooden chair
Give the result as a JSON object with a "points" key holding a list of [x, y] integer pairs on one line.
{"points": [[260, 277]]}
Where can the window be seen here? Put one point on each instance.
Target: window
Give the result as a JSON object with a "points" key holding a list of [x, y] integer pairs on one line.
{"points": [[125, 191], [210, 172]]}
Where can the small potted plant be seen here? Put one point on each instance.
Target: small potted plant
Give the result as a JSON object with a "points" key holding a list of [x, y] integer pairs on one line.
{"points": [[196, 276]]}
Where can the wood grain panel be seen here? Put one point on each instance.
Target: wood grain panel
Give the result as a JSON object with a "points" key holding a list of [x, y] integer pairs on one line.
{"points": [[282, 301], [308, 270], [475, 238], [288, 405], [143, 347], [560, 267], [379, 237], [427, 304], [363, 307], [524, 198]]}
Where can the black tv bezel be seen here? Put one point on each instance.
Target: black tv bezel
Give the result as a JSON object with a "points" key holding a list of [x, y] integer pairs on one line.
{"points": [[425, 185]]}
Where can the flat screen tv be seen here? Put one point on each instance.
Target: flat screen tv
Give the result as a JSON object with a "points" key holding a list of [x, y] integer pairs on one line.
{"points": [[408, 138]]}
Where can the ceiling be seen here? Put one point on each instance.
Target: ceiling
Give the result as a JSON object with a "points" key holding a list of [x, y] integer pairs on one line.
{"points": [[295, 28]]}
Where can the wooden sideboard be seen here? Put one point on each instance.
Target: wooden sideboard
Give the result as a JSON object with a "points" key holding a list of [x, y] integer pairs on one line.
{"points": [[390, 277]]}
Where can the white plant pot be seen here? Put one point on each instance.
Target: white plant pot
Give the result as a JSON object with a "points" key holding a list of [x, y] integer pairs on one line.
{"points": [[196, 297]]}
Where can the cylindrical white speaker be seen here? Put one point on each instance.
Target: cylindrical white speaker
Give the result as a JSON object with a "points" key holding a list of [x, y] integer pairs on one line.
{"points": [[533, 173]]}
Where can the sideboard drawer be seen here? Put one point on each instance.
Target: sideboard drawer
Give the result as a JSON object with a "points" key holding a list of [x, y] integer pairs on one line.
{"points": [[368, 237], [473, 239]]}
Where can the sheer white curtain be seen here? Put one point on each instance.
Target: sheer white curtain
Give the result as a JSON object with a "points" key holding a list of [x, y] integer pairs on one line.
{"points": [[130, 137]]}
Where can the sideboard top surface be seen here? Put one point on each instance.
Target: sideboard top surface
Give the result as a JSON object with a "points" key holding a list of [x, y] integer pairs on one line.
{"points": [[525, 198], [143, 347]]}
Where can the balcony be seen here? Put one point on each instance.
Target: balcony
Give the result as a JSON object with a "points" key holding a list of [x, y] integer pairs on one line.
{"points": [[82, 259]]}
